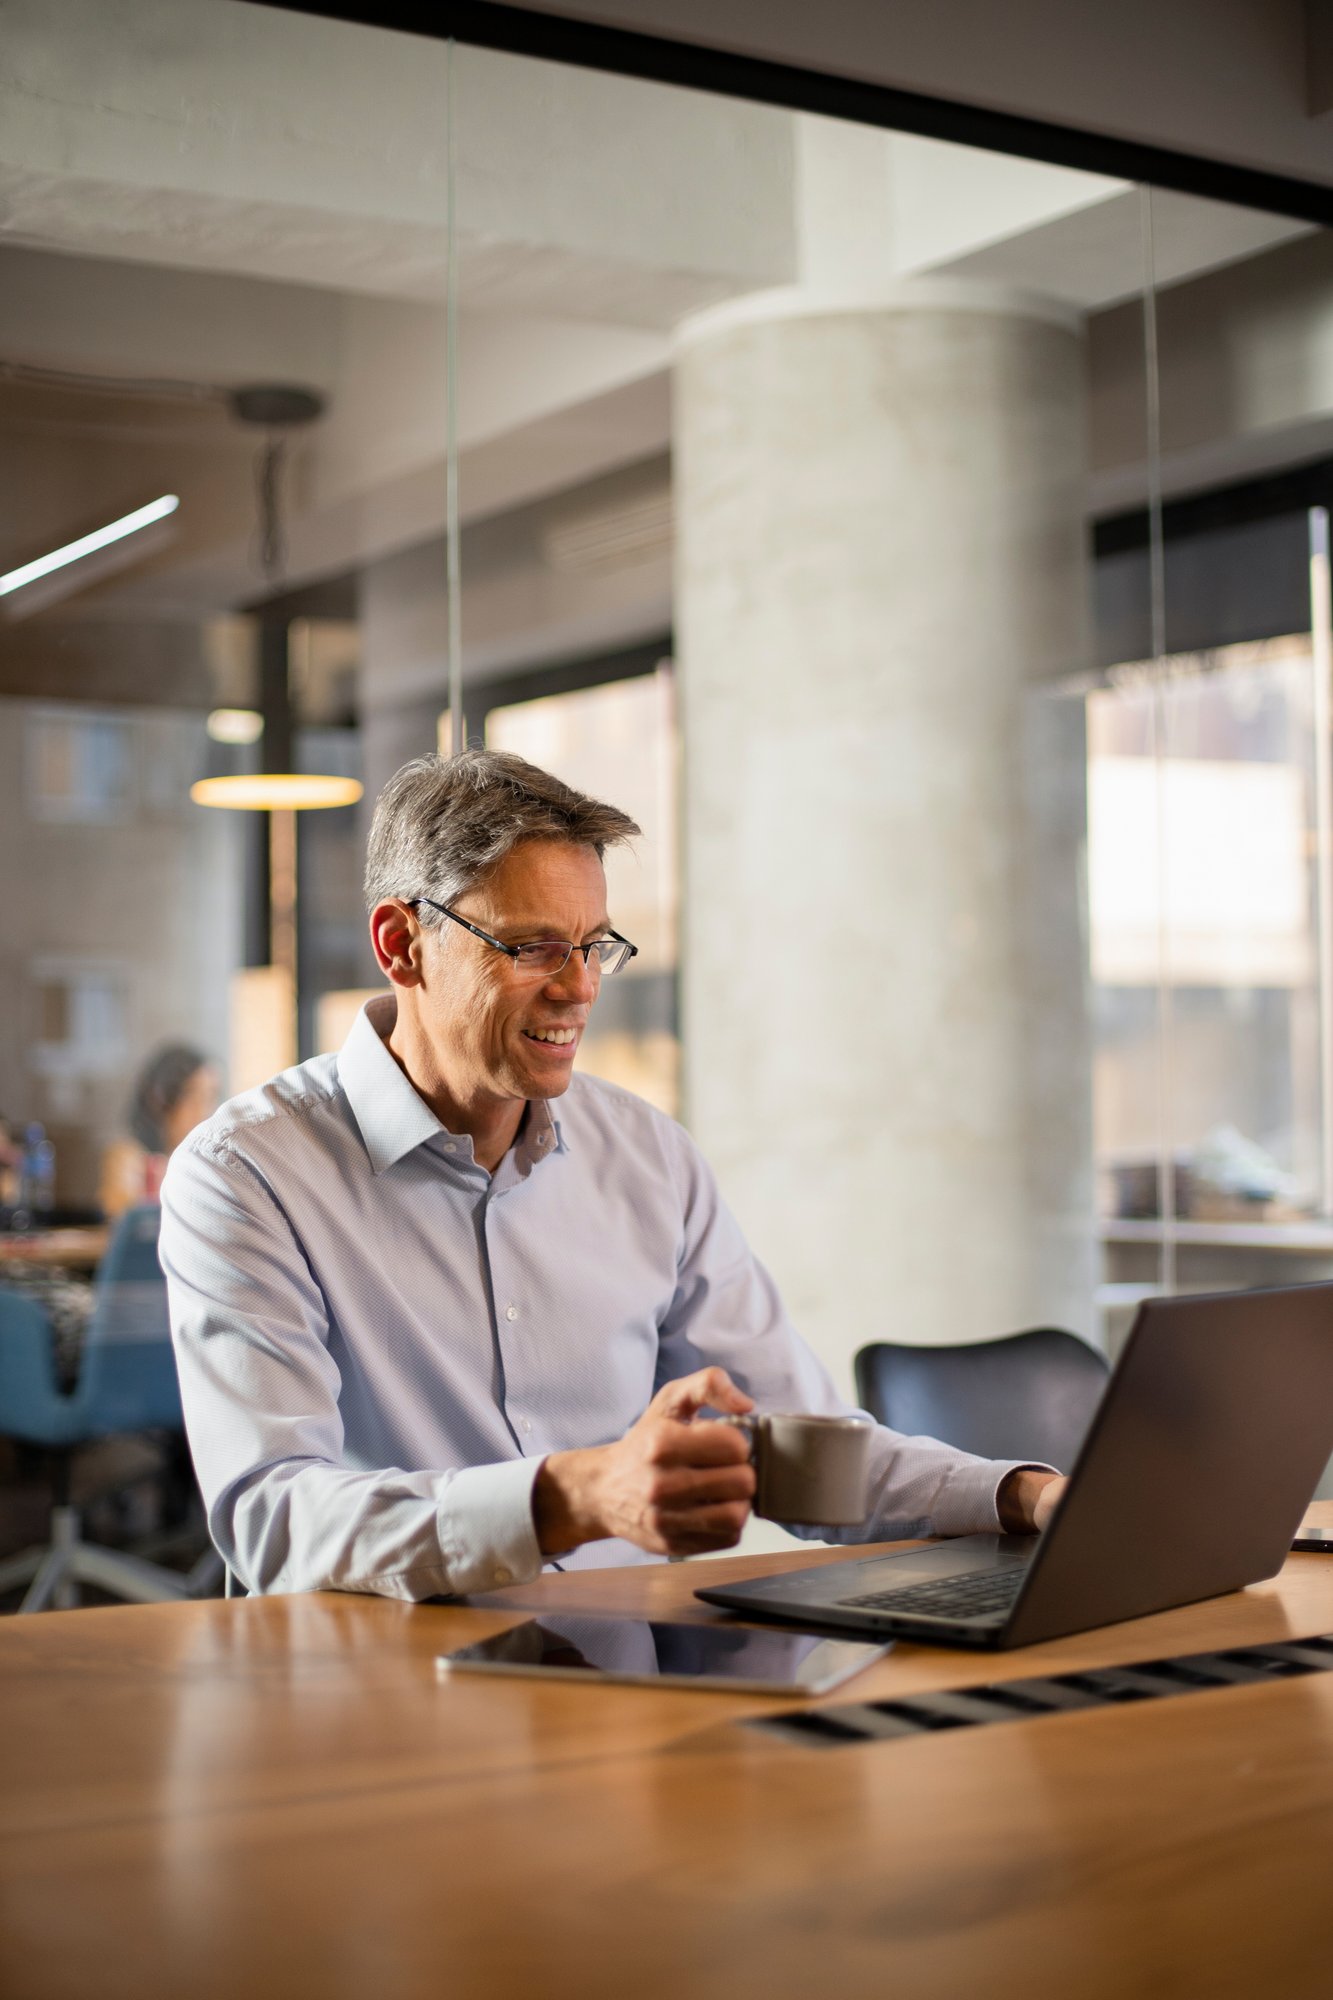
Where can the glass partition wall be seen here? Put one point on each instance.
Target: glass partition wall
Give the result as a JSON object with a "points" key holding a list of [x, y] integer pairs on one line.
{"points": [[1208, 735], [916, 540]]}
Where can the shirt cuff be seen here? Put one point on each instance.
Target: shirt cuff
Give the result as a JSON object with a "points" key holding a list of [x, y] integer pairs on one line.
{"points": [[487, 1538], [969, 1503]]}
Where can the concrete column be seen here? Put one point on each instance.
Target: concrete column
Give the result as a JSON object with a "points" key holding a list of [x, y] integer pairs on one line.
{"points": [[880, 560]]}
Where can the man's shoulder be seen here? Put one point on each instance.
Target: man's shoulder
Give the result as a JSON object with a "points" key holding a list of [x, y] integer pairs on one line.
{"points": [[621, 1119], [599, 1101], [273, 1116]]}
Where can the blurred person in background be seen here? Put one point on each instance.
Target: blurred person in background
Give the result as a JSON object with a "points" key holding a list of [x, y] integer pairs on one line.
{"points": [[177, 1089]]}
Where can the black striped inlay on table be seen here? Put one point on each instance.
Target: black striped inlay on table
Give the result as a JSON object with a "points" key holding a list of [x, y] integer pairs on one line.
{"points": [[1054, 1694]]}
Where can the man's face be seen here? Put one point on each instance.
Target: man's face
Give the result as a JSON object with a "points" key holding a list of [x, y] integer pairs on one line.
{"points": [[486, 1019]]}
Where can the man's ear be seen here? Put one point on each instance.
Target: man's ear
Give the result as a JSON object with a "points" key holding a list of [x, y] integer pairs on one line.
{"points": [[395, 937]]}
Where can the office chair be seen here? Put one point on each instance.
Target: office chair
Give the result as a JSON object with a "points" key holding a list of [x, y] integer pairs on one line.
{"points": [[127, 1383], [1030, 1395]]}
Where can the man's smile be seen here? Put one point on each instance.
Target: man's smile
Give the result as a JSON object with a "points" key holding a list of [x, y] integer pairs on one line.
{"points": [[558, 1043]]}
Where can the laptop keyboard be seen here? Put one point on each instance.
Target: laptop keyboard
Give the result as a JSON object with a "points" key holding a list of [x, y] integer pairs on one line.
{"points": [[989, 1591]]}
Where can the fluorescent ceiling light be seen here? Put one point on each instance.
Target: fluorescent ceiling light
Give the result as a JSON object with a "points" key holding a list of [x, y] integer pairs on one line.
{"points": [[87, 545]]}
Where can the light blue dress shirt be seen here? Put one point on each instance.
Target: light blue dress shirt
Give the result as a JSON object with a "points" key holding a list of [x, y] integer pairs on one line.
{"points": [[379, 1341]]}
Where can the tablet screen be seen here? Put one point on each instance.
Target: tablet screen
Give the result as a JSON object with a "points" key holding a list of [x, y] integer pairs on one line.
{"points": [[766, 1661]]}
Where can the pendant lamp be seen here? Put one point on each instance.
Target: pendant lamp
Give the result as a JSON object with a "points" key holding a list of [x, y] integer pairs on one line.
{"points": [[277, 410]]}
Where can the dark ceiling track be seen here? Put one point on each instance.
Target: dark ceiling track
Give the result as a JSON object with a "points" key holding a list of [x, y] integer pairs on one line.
{"points": [[1266, 497], [586, 45]]}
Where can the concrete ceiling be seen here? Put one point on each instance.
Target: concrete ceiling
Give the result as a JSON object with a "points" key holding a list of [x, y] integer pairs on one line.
{"points": [[1095, 257], [208, 193]]}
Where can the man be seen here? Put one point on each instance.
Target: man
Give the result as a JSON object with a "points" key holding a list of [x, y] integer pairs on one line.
{"points": [[445, 1311]]}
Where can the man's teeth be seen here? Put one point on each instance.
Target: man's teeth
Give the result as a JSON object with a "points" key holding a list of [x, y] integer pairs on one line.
{"points": [[561, 1035]]}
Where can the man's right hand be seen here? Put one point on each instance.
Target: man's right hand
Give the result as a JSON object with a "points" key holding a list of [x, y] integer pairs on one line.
{"points": [[673, 1487]]}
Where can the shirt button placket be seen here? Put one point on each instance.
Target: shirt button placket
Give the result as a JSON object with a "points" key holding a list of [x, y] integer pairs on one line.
{"points": [[508, 1312]]}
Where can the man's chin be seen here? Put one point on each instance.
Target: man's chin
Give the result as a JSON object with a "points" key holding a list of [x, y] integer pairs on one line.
{"points": [[545, 1076], [554, 1086]]}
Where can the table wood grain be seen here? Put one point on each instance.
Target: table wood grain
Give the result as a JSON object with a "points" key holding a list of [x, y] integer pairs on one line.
{"points": [[280, 1796]]}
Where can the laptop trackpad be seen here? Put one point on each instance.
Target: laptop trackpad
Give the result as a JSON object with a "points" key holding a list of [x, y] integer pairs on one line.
{"points": [[965, 1556]]}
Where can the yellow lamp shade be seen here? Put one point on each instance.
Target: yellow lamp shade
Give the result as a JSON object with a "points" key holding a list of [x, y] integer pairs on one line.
{"points": [[276, 791]]}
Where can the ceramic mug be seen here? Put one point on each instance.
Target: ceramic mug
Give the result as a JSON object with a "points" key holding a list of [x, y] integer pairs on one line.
{"points": [[814, 1471]]}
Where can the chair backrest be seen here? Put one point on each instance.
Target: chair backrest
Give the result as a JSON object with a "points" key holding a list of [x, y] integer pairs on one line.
{"points": [[128, 1379], [1031, 1395], [31, 1405], [131, 1255]]}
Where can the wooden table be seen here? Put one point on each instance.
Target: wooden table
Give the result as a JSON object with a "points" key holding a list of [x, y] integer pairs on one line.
{"points": [[279, 1797]]}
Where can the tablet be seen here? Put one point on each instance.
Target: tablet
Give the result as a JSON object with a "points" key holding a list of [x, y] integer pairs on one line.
{"points": [[735, 1658]]}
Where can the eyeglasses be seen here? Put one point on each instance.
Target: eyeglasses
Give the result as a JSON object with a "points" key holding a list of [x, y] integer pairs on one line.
{"points": [[547, 956]]}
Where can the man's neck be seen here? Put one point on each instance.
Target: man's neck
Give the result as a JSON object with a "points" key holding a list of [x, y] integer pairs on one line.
{"points": [[492, 1123]]}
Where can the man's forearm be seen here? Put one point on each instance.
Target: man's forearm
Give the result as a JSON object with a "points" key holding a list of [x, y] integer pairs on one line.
{"points": [[306, 1525]]}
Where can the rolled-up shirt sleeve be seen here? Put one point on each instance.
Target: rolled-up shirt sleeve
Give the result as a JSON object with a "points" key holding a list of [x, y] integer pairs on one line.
{"points": [[260, 1390], [727, 1312]]}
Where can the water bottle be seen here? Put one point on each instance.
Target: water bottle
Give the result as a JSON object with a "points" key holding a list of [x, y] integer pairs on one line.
{"points": [[38, 1185]]}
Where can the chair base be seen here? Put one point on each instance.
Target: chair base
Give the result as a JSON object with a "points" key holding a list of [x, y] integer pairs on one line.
{"points": [[205, 1576], [55, 1571]]}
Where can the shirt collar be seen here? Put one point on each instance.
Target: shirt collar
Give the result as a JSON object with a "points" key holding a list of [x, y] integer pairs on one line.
{"points": [[539, 1135], [392, 1118]]}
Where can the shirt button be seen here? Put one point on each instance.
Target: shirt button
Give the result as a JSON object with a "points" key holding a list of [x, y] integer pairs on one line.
{"points": [[524, 1426], [503, 1575], [449, 1146], [511, 1312]]}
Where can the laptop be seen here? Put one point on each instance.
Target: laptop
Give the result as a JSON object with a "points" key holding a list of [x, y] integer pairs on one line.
{"points": [[1210, 1438]]}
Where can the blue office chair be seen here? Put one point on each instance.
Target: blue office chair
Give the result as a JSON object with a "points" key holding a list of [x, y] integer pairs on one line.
{"points": [[127, 1383], [1030, 1396]]}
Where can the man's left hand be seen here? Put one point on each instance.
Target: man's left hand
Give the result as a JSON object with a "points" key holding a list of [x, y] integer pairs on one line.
{"points": [[1027, 1499]]}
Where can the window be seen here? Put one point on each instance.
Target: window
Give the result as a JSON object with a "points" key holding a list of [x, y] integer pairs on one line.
{"points": [[82, 1012], [80, 768], [617, 741], [1204, 903]]}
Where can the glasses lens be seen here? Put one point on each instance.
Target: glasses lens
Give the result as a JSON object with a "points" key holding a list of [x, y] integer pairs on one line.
{"points": [[612, 954], [548, 955]]}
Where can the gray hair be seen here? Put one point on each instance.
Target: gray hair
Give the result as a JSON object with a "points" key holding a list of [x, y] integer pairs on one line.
{"points": [[441, 824]]}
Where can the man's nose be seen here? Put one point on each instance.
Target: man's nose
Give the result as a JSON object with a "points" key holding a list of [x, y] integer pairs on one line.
{"points": [[579, 980]]}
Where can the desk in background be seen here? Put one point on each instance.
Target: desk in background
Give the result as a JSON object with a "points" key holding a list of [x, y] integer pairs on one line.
{"points": [[54, 1267], [69, 1249], [279, 1797]]}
